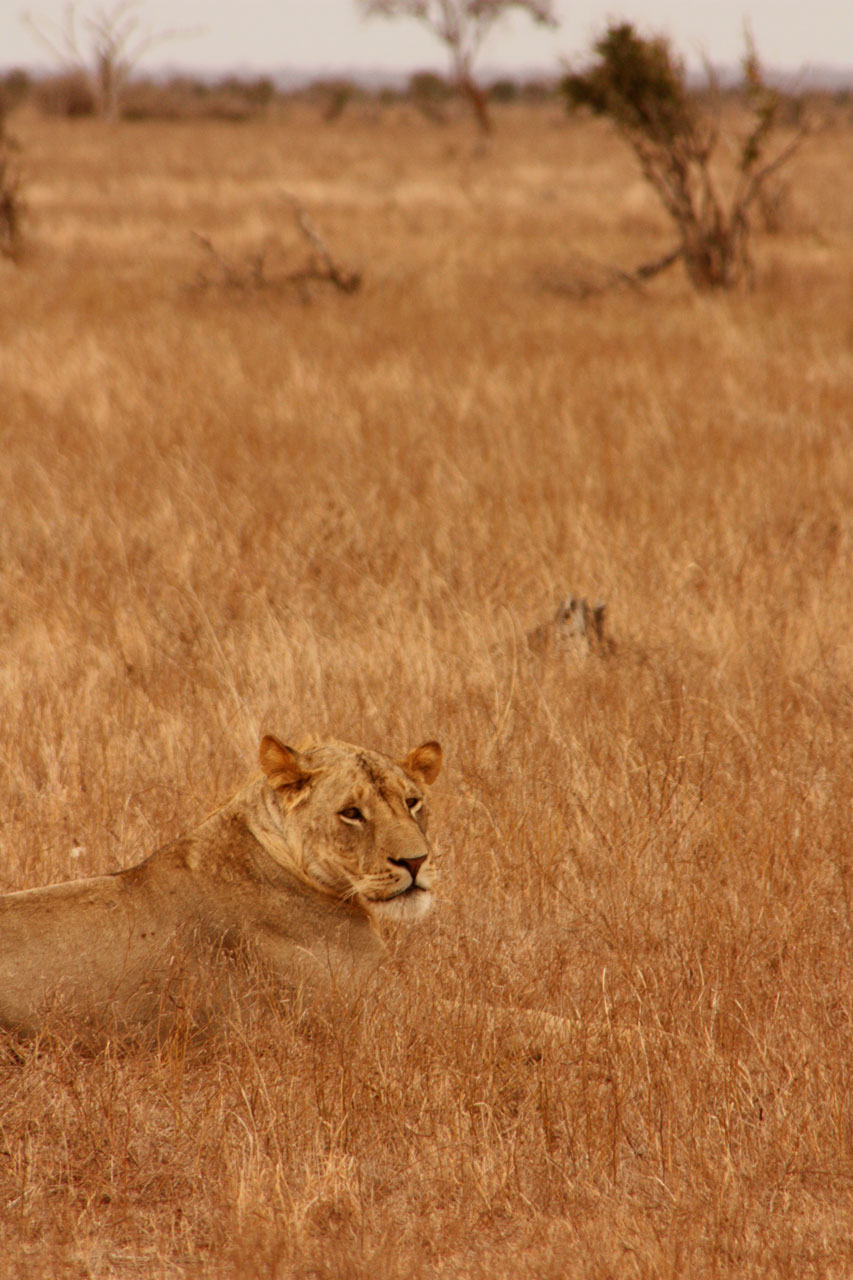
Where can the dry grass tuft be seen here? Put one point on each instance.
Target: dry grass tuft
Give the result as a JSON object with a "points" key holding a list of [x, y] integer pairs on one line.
{"points": [[226, 514]]}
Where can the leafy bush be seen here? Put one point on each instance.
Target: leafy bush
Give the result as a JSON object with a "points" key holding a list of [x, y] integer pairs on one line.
{"points": [[15, 86], [69, 94], [640, 85]]}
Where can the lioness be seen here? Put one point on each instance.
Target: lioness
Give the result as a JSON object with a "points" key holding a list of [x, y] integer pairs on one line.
{"points": [[298, 868]]}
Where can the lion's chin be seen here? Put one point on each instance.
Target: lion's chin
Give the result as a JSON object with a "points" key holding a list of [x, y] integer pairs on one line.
{"points": [[409, 906]]}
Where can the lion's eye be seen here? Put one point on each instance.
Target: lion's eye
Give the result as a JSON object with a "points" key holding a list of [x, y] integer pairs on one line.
{"points": [[352, 814], [413, 803]]}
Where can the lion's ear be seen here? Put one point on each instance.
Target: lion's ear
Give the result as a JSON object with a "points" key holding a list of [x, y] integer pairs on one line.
{"points": [[424, 763], [283, 766]]}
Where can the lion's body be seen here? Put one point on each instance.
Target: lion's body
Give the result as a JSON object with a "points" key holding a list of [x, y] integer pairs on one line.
{"points": [[284, 871]]}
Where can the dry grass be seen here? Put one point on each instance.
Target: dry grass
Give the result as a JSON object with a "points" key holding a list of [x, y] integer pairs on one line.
{"points": [[223, 513]]}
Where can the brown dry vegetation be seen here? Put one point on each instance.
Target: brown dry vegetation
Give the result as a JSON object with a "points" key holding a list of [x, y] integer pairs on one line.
{"points": [[224, 512]]}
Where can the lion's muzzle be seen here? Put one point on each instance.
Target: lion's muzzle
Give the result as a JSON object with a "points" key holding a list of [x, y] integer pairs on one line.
{"points": [[413, 866]]}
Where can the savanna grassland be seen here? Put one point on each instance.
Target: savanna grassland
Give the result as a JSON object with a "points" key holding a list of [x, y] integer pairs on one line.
{"points": [[228, 510]]}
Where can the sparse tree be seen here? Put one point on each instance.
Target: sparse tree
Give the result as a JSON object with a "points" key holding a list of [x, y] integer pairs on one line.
{"points": [[640, 85], [463, 25], [104, 46]]}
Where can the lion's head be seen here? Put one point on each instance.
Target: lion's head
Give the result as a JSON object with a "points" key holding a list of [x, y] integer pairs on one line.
{"points": [[355, 821]]}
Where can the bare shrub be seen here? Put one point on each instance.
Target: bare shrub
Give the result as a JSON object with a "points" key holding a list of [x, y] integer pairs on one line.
{"points": [[11, 196], [102, 47], [640, 85]]}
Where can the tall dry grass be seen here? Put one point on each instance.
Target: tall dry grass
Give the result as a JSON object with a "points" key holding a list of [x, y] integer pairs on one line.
{"points": [[223, 513]]}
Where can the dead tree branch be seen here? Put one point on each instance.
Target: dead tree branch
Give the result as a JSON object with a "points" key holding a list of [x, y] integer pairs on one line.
{"points": [[324, 266], [612, 277], [257, 271]]}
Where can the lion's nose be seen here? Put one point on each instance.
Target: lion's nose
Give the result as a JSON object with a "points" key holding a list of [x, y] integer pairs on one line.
{"points": [[412, 865]]}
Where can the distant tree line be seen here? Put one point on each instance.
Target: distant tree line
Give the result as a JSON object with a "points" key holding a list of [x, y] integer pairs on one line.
{"points": [[230, 97], [70, 94]]}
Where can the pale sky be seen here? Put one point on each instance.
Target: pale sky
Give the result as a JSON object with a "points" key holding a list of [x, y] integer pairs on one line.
{"points": [[262, 35]]}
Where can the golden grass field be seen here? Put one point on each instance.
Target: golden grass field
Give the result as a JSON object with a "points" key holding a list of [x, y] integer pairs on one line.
{"points": [[225, 511]]}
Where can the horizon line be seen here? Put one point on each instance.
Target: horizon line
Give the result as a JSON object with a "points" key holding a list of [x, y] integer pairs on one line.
{"points": [[380, 74]]}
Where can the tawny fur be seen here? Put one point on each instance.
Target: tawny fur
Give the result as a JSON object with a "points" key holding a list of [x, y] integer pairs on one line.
{"points": [[298, 868]]}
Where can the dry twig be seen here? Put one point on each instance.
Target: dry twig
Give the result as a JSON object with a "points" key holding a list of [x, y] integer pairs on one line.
{"points": [[323, 267]]}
